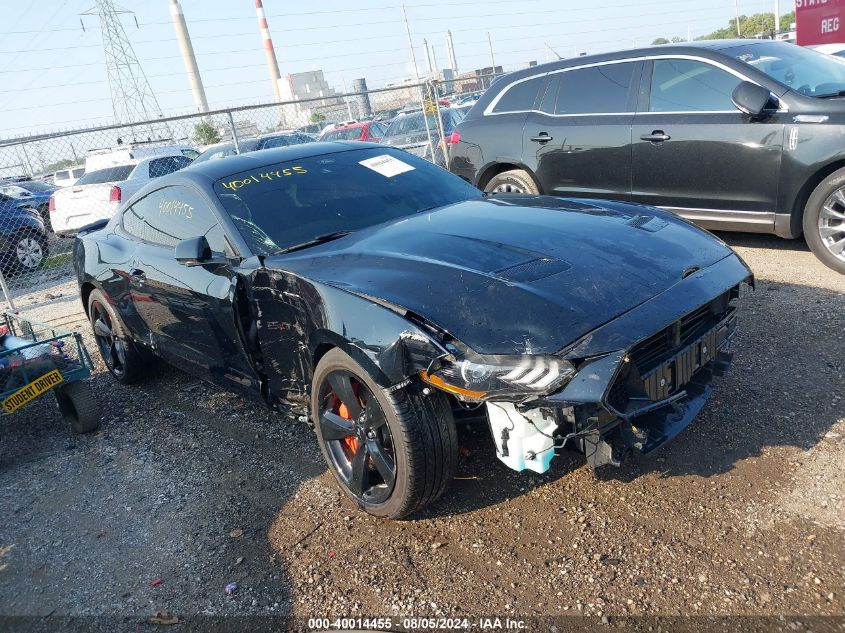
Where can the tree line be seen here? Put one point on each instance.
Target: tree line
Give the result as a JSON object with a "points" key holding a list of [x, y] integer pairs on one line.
{"points": [[749, 26]]}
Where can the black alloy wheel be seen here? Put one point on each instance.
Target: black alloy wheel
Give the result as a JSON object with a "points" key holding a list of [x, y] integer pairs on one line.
{"points": [[392, 452], [357, 438], [112, 349]]}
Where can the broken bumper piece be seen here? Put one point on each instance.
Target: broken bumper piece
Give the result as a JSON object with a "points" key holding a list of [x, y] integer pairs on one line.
{"points": [[628, 400]]}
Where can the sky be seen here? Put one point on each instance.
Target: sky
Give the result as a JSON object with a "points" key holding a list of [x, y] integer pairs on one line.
{"points": [[54, 77]]}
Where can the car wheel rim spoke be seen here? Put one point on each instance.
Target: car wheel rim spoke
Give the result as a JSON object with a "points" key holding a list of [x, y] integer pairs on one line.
{"points": [[111, 348], [335, 427], [342, 386], [832, 224], [359, 477], [383, 462], [373, 415]]}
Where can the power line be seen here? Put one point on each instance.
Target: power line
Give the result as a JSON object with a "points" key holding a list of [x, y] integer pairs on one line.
{"points": [[591, 8], [323, 57]]}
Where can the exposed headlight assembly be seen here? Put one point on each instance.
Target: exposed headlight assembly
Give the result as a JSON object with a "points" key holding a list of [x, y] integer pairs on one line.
{"points": [[479, 377]]}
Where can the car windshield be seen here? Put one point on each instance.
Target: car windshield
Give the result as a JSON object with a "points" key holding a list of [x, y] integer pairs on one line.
{"points": [[37, 186], [213, 153], [346, 134], [286, 204], [15, 191], [414, 123], [806, 71], [110, 174]]}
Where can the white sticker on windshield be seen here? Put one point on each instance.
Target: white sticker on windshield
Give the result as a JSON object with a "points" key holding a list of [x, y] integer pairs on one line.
{"points": [[386, 165]]}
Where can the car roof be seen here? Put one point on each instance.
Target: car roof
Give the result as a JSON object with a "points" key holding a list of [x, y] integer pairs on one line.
{"points": [[213, 170], [349, 126], [703, 48]]}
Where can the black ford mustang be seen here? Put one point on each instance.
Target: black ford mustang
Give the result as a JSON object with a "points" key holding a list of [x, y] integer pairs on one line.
{"points": [[383, 296]]}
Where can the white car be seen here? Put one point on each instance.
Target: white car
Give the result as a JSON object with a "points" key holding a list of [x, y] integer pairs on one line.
{"points": [[837, 50], [98, 194], [68, 177]]}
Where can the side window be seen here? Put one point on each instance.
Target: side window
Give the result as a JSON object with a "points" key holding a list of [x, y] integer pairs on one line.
{"points": [[276, 141], [599, 89], [687, 85], [547, 103], [167, 165], [172, 214], [521, 96]]}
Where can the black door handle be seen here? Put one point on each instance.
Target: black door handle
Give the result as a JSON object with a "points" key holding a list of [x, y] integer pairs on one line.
{"points": [[542, 137], [658, 136], [137, 273]]}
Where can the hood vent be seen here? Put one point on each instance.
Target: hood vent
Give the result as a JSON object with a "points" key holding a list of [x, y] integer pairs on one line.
{"points": [[649, 223], [533, 270]]}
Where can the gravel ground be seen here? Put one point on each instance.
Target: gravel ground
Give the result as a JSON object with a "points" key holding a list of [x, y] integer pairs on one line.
{"points": [[743, 514]]}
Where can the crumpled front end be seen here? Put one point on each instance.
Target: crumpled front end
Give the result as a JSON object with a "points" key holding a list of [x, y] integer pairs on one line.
{"points": [[632, 383], [633, 399]]}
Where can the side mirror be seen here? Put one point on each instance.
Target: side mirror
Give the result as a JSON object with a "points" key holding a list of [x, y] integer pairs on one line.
{"points": [[751, 99], [195, 251]]}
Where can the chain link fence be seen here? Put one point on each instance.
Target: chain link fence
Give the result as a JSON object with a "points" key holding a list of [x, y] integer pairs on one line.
{"points": [[51, 185]]}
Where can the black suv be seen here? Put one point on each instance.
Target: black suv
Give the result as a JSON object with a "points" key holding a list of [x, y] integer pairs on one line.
{"points": [[740, 135]]}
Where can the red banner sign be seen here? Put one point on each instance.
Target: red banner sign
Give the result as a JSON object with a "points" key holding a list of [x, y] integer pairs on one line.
{"points": [[820, 22]]}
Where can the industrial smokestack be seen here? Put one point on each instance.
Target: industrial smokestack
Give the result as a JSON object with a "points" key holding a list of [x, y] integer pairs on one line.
{"points": [[362, 99], [427, 56], [272, 64], [450, 48], [188, 55]]}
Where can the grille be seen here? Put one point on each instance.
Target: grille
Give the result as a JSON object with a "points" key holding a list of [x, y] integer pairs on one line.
{"points": [[649, 353]]}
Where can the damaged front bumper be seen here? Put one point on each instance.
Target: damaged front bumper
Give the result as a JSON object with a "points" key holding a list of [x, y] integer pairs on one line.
{"points": [[636, 399]]}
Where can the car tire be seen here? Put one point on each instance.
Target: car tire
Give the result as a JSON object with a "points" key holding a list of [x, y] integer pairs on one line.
{"points": [[79, 406], [118, 351], [824, 221], [512, 181], [44, 212], [29, 251], [411, 429]]}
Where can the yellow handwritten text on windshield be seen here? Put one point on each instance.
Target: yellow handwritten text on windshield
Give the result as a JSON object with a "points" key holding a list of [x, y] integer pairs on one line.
{"points": [[266, 176]]}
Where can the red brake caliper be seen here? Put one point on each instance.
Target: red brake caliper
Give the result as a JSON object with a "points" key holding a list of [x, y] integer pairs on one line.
{"points": [[351, 441]]}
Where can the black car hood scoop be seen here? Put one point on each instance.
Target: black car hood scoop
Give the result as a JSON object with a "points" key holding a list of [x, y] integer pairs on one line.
{"points": [[533, 270], [503, 277]]}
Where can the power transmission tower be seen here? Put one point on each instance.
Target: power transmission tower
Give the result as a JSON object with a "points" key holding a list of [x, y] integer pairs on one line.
{"points": [[132, 97]]}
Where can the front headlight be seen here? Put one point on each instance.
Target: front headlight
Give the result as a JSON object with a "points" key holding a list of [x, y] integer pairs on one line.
{"points": [[479, 377]]}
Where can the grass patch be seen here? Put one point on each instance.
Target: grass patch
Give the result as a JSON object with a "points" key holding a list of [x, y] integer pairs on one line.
{"points": [[57, 260]]}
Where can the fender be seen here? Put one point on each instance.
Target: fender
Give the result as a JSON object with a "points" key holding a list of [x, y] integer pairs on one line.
{"points": [[298, 320]]}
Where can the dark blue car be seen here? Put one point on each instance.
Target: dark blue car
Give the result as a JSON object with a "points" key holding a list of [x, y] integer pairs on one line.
{"points": [[33, 194], [23, 238]]}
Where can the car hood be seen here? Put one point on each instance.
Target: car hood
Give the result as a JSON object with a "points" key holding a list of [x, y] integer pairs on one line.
{"points": [[511, 275]]}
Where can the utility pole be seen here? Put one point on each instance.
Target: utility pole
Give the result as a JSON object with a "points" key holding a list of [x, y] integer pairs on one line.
{"points": [[132, 97], [427, 56], [450, 49], [272, 63], [777, 19], [184, 39], [736, 9], [417, 74], [411, 44]]}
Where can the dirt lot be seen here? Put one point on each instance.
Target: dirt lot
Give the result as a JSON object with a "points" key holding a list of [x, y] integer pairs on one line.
{"points": [[743, 514]]}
